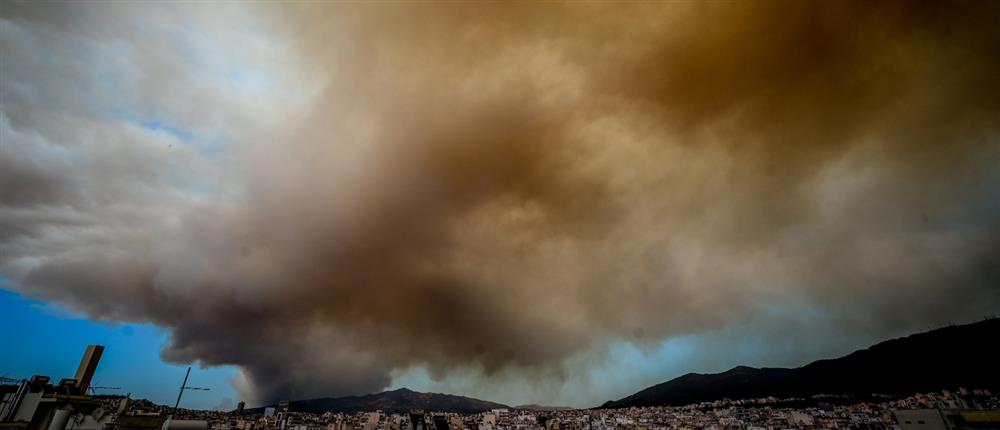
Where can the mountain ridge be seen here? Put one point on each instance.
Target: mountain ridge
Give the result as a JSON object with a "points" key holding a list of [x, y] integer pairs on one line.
{"points": [[959, 355], [398, 400]]}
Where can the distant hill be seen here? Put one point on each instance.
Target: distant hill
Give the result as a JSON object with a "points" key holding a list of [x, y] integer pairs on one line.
{"points": [[400, 400], [534, 407], [945, 358]]}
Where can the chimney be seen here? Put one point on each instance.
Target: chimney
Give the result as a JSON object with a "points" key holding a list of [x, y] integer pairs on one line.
{"points": [[88, 365]]}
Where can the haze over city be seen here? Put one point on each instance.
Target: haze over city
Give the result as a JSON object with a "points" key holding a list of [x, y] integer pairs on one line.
{"points": [[549, 203]]}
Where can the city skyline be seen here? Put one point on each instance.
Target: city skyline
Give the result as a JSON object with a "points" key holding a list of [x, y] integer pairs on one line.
{"points": [[549, 203], [877, 373]]}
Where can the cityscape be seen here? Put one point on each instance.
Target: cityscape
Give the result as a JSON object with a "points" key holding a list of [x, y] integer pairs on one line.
{"points": [[972, 409], [73, 404], [499, 214]]}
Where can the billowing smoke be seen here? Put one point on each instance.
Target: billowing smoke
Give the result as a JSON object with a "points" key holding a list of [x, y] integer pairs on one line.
{"points": [[324, 194]]}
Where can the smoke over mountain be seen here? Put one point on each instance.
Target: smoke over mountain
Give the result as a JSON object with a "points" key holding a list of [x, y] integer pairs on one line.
{"points": [[325, 194]]}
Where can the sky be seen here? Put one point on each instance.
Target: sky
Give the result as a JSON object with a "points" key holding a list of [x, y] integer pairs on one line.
{"points": [[556, 203], [43, 339]]}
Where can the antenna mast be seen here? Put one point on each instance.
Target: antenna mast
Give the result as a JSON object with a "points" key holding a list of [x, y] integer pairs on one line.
{"points": [[185, 387]]}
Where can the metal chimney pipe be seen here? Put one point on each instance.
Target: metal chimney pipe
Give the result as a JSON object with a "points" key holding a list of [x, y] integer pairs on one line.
{"points": [[88, 365]]}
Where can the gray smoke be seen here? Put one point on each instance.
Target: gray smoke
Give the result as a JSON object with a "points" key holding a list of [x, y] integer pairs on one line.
{"points": [[326, 194]]}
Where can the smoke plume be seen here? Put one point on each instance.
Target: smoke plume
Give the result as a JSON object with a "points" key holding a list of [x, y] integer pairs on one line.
{"points": [[326, 194]]}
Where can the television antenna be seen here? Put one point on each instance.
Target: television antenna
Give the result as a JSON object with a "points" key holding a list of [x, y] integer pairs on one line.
{"points": [[185, 387], [5, 380], [93, 389]]}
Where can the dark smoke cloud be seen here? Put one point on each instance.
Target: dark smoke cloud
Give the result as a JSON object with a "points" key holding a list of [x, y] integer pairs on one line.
{"points": [[502, 188]]}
